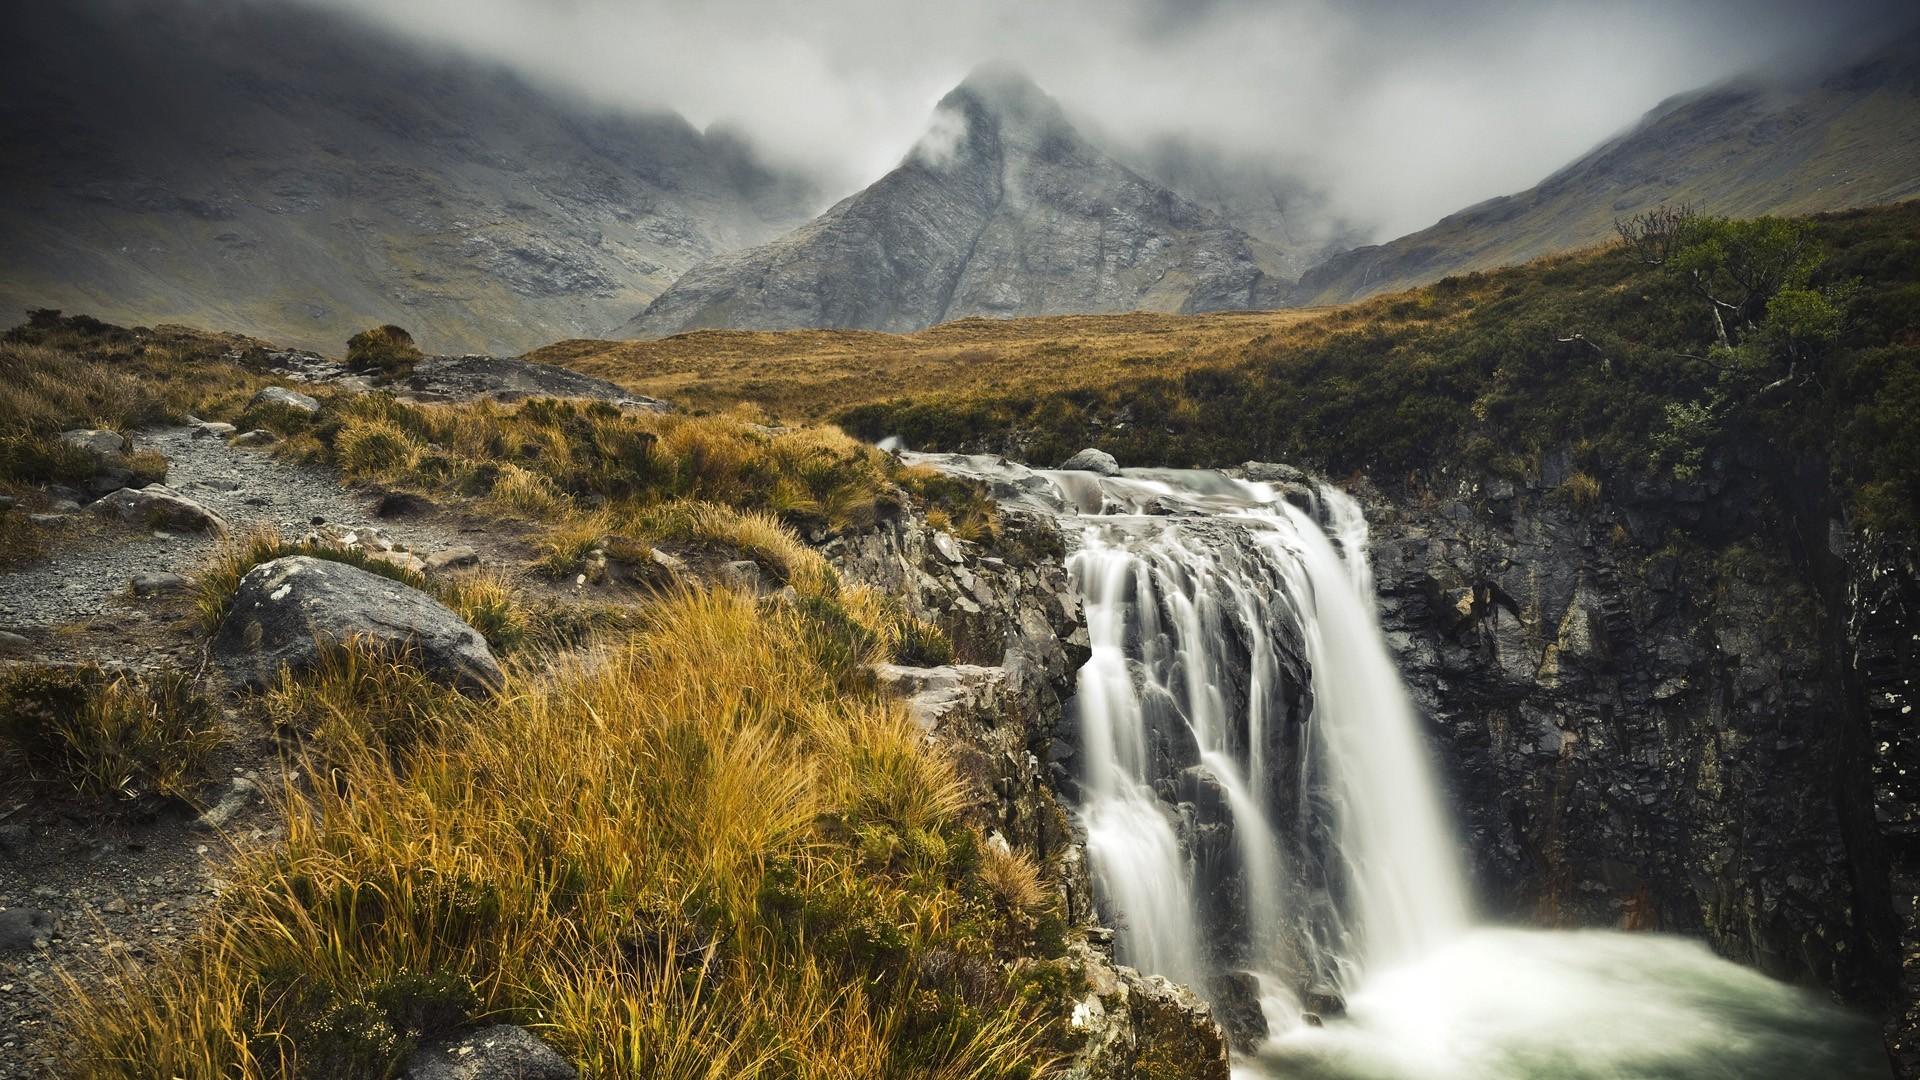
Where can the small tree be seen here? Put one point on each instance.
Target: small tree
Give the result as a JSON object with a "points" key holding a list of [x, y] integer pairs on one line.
{"points": [[1737, 267], [387, 350]]}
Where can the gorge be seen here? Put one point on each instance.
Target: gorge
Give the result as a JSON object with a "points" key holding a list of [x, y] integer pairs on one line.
{"points": [[1263, 821]]}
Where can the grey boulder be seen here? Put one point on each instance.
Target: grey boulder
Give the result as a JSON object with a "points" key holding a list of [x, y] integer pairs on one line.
{"points": [[159, 583], [96, 441], [1093, 461], [287, 612], [453, 558], [281, 397], [501, 1052], [160, 507]]}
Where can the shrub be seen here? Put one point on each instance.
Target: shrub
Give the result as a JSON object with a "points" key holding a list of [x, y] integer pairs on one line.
{"points": [[387, 351], [107, 737], [921, 644]]}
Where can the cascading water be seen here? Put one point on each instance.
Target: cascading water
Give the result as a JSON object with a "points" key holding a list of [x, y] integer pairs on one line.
{"points": [[1260, 809]]}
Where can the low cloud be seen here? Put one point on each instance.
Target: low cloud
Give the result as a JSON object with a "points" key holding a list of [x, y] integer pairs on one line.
{"points": [[1400, 111]]}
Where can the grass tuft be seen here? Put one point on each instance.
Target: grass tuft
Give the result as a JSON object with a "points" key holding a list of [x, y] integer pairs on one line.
{"points": [[113, 737]]}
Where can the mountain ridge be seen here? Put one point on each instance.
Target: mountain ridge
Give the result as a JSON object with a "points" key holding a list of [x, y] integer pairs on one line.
{"points": [[1840, 139], [304, 176], [1002, 208]]}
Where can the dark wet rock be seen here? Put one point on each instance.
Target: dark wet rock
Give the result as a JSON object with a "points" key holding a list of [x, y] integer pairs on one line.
{"points": [[1093, 461], [465, 378], [287, 611], [160, 507], [501, 1052], [25, 929], [1236, 1005], [400, 504]]}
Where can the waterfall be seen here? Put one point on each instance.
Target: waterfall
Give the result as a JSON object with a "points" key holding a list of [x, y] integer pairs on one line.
{"points": [[1260, 807], [1254, 786]]}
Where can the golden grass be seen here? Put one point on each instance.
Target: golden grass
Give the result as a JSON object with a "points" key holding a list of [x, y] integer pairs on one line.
{"points": [[106, 737], [706, 854], [815, 374]]}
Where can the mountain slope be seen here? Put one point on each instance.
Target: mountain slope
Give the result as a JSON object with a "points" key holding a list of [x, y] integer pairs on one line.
{"points": [[290, 173], [1003, 209], [1850, 138]]}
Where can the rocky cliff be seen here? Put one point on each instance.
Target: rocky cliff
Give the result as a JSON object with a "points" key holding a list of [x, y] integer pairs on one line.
{"points": [[1674, 707], [1002, 209], [1683, 707]]}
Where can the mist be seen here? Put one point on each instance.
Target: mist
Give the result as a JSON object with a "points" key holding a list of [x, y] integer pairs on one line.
{"points": [[1396, 111]]}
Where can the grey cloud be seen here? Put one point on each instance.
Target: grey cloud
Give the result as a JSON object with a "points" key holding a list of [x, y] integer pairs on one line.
{"points": [[1398, 111]]}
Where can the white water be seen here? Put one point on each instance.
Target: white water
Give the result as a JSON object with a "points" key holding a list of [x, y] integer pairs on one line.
{"points": [[1202, 594]]}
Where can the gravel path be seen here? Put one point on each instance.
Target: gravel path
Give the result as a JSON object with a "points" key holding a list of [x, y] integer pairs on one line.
{"points": [[92, 562]]}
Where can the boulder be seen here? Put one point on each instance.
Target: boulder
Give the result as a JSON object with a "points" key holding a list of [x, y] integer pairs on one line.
{"points": [[286, 612], [159, 506], [256, 437], [741, 574], [1094, 461], [12, 644], [453, 558], [22, 929], [279, 397], [240, 792], [501, 1052], [96, 441], [159, 583], [212, 429]]}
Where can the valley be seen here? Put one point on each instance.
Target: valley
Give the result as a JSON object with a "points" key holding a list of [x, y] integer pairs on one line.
{"points": [[598, 541]]}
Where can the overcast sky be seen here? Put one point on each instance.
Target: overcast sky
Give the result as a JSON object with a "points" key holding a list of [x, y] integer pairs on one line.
{"points": [[1402, 110]]}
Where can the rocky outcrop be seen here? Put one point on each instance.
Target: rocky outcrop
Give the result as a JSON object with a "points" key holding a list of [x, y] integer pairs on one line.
{"points": [[466, 378], [279, 397], [1003, 209], [287, 612], [1141, 1027], [501, 1052], [1641, 702]]}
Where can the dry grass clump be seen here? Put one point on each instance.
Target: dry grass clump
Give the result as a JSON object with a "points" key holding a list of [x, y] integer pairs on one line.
{"points": [[490, 601], [707, 854], [106, 736], [541, 457]]}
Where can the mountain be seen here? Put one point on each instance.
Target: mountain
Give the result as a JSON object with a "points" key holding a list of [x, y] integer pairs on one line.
{"points": [[1002, 209], [1287, 212], [1849, 137], [289, 172]]}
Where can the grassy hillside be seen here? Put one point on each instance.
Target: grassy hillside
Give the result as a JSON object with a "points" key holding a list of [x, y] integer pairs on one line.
{"points": [[1598, 355], [811, 374]]}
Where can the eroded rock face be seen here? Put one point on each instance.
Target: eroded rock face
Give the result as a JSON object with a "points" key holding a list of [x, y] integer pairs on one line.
{"points": [[1637, 735], [288, 611], [1142, 1027]]}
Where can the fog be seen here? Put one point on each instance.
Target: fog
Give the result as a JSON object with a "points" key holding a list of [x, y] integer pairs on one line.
{"points": [[1400, 111]]}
